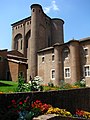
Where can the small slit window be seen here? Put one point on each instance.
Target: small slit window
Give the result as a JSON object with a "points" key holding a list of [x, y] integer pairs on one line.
{"points": [[21, 44], [43, 59], [33, 10], [53, 57], [86, 51], [27, 23]]}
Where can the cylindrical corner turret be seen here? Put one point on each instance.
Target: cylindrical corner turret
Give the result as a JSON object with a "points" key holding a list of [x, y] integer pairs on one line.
{"points": [[36, 6], [35, 16], [57, 31], [75, 60]]}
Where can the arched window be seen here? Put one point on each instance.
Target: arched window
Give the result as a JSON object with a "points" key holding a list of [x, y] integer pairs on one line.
{"points": [[66, 52], [18, 42], [27, 38]]}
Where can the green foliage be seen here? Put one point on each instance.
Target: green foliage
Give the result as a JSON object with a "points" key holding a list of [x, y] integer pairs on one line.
{"points": [[50, 84], [81, 83], [22, 86], [78, 84], [29, 116], [33, 113], [66, 86], [19, 105], [35, 85]]}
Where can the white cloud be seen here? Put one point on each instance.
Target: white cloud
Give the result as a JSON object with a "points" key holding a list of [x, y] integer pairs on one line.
{"points": [[53, 6], [47, 9]]}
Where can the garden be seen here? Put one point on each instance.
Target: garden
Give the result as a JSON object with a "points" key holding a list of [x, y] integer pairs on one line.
{"points": [[28, 101], [35, 85], [25, 109]]}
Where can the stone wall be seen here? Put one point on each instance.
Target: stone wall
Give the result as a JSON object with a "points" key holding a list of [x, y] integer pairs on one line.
{"points": [[68, 99]]}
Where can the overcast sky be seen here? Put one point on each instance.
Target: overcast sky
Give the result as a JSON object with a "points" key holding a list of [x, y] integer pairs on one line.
{"points": [[75, 13]]}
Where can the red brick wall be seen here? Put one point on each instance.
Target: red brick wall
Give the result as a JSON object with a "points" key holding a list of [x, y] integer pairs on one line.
{"points": [[13, 68], [22, 68], [3, 64]]}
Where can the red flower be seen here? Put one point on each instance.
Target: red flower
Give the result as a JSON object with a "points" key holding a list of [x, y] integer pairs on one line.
{"points": [[9, 106], [25, 101], [38, 101], [33, 105], [13, 101], [20, 103]]}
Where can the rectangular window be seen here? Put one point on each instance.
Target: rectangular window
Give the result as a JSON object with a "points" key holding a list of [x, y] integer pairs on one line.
{"points": [[53, 74], [67, 72], [87, 71]]}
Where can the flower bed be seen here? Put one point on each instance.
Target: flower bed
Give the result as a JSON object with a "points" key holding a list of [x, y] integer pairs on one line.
{"points": [[23, 110]]}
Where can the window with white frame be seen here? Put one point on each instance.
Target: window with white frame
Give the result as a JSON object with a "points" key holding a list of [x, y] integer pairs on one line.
{"points": [[53, 74], [87, 71], [67, 72], [86, 51]]}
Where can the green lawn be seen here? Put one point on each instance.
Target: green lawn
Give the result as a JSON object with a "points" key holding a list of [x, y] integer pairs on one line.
{"points": [[7, 86]]}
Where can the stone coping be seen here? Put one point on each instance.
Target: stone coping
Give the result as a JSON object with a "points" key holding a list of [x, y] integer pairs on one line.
{"points": [[56, 117]]}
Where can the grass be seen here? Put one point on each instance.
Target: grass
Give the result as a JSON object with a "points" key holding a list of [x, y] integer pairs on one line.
{"points": [[7, 86], [10, 86]]}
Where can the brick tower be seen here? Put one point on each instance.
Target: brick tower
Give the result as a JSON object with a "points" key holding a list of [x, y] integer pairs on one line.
{"points": [[35, 33]]}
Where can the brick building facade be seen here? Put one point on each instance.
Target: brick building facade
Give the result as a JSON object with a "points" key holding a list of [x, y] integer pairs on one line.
{"points": [[41, 40], [12, 64]]}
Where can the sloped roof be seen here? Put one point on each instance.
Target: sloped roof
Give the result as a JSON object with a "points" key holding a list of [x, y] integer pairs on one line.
{"points": [[15, 53], [85, 39], [17, 61]]}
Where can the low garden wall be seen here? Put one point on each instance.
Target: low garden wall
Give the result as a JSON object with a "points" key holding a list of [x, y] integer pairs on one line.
{"points": [[68, 99]]}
